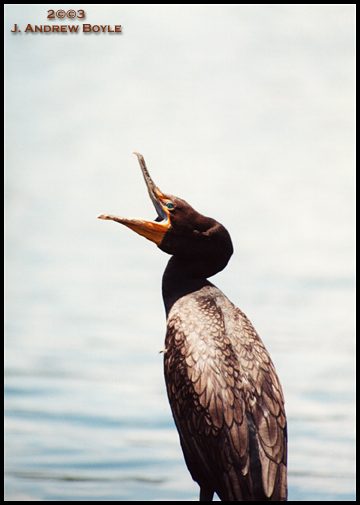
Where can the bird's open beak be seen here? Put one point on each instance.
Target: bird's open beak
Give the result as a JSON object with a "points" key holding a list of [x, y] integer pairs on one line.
{"points": [[152, 230]]}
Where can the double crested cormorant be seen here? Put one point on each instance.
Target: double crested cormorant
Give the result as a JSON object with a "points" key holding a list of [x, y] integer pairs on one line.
{"points": [[224, 393]]}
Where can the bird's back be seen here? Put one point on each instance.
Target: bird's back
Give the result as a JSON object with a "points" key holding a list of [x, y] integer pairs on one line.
{"points": [[226, 399]]}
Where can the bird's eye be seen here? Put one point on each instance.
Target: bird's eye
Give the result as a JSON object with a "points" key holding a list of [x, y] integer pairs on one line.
{"points": [[170, 205]]}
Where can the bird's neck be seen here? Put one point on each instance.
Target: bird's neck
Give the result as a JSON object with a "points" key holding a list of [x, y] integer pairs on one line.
{"points": [[182, 277], [203, 255]]}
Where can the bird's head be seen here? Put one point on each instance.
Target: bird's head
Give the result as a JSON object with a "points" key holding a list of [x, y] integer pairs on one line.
{"points": [[178, 229]]}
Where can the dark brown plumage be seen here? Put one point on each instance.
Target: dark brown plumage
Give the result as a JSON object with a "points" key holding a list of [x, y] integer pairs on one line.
{"points": [[222, 386]]}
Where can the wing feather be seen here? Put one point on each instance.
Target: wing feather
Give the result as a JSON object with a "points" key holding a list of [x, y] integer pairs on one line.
{"points": [[215, 374]]}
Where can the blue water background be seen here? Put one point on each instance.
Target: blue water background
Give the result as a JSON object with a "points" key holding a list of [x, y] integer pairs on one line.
{"points": [[246, 112]]}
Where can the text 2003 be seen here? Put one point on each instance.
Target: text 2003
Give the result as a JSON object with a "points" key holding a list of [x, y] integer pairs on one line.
{"points": [[61, 14]]}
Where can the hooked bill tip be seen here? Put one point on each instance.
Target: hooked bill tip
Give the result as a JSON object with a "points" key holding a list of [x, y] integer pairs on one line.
{"points": [[102, 216]]}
